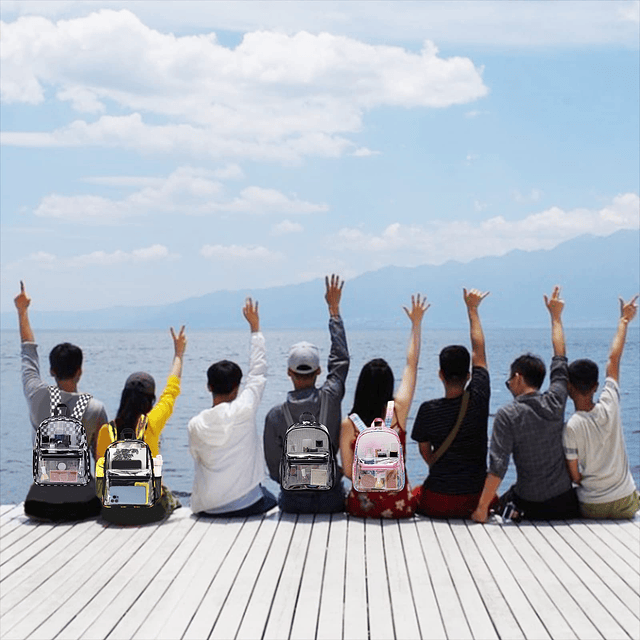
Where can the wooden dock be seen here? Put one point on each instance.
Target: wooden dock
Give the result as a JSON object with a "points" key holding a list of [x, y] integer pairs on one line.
{"points": [[325, 577]]}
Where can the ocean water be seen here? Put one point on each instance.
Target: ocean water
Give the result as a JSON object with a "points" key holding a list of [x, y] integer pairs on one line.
{"points": [[110, 356]]}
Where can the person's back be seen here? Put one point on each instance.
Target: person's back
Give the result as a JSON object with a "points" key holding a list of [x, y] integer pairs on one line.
{"points": [[223, 440], [456, 475], [304, 368], [593, 438]]}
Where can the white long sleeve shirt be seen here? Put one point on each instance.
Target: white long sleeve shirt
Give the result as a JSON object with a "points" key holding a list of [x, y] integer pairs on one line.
{"points": [[225, 446]]}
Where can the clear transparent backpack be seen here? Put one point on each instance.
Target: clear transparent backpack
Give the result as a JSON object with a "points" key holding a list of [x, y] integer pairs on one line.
{"points": [[130, 478], [308, 460], [378, 461], [61, 452]]}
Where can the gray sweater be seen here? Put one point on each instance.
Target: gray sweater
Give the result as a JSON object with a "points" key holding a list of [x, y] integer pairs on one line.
{"points": [[309, 400]]}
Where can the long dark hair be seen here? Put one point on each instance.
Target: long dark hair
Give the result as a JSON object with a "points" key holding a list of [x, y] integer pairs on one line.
{"points": [[133, 403], [373, 391]]}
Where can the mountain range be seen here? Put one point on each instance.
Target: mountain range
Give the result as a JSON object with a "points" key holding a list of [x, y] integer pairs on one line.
{"points": [[593, 272]]}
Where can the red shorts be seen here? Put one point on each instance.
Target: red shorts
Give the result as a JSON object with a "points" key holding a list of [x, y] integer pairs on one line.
{"points": [[443, 505]]}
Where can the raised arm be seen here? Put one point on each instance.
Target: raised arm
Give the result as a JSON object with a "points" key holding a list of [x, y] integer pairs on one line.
{"points": [[22, 302], [250, 312], [628, 311], [333, 294], [555, 306], [179, 345], [473, 299], [338, 365], [404, 396]]}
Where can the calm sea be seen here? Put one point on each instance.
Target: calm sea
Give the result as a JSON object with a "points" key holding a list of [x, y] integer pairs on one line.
{"points": [[110, 356]]}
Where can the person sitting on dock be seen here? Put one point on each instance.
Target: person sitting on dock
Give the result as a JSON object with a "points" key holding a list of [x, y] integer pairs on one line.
{"points": [[373, 391], [593, 438], [65, 361], [531, 428], [457, 471], [138, 400], [224, 438], [303, 369]]}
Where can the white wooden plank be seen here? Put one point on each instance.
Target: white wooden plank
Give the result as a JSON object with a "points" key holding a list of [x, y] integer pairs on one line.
{"points": [[18, 528], [527, 578], [214, 600], [573, 546], [117, 594], [355, 623], [630, 533], [50, 536], [230, 617], [497, 607], [480, 623], [522, 610], [283, 605], [165, 567], [428, 612], [19, 585], [453, 615], [405, 621], [378, 596], [173, 612], [592, 614], [6, 507], [331, 611], [621, 566], [30, 537], [59, 590], [624, 545], [257, 612], [10, 511], [305, 615]]}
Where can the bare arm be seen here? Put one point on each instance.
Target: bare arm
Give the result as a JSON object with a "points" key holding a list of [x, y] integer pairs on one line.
{"points": [[250, 312], [628, 312], [404, 396], [572, 468], [555, 306], [348, 434], [491, 484], [22, 302], [179, 345], [473, 299], [426, 451]]}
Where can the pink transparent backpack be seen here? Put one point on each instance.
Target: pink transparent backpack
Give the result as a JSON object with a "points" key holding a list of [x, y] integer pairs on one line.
{"points": [[378, 461]]}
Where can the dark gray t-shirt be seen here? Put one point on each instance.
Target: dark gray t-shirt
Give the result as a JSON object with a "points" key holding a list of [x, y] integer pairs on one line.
{"points": [[36, 391]]}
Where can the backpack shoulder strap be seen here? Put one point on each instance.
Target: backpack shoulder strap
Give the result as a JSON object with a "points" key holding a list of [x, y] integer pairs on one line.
{"points": [[141, 427], [324, 409], [54, 400], [81, 406], [454, 432], [357, 421], [287, 414]]}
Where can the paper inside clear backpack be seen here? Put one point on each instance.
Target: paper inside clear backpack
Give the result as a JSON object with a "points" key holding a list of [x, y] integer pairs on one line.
{"points": [[378, 461]]}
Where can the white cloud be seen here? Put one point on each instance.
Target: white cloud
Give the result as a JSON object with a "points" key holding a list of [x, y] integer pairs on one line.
{"points": [[102, 258], [285, 227], [274, 96], [239, 252], [533, 196], [439, 241], [188, 190], [364, 152]]}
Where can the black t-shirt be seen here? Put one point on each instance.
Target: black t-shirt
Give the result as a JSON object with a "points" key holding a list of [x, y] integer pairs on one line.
{"points": [[463, 467]]}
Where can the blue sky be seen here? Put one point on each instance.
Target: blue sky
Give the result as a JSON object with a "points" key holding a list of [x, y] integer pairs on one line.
{"points": [[153, 151]]}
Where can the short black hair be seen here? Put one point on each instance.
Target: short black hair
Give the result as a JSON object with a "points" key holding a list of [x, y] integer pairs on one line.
{"points": [[531, 368], [65, 360], [454, 363], [224, 376], [583, 375]]}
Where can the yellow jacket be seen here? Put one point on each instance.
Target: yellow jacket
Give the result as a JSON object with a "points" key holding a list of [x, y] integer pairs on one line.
{"points": [[156, 420]]}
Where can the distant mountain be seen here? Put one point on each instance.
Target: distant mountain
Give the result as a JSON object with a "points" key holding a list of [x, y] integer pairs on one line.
{"points": [[593, 271]]}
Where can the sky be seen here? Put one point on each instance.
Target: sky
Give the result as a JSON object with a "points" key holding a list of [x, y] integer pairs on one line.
{"points": [[154, 151]]}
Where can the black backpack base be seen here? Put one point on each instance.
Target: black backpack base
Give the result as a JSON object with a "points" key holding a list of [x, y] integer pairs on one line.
{"points": [[62, 504]]}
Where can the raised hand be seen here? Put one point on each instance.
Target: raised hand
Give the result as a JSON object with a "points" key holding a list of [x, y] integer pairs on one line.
{"points": [[474, 297], [22, 300], [418, 308], [250, 312], [555, 304], [333, 293], [629, 309], [179, 342]]}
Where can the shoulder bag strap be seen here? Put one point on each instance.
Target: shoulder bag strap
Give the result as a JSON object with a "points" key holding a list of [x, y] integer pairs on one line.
{"points": [[454, 432]]}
